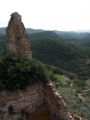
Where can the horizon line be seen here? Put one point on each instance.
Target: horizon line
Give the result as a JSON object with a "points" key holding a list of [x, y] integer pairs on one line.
{"points": [[81, 30]]}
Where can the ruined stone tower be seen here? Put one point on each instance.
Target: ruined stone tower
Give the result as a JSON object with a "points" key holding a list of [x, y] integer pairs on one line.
{"points": [[18, 44]]}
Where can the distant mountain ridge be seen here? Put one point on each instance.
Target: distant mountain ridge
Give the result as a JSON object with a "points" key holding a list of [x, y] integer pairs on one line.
{"points": [[63, 33], [29, 30], [2, 30], [32, 31], [80, 39], [67, 50]]}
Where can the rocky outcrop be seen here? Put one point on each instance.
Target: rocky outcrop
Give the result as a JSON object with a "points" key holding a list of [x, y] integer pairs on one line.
{"points": [[20, 102], [37, 102], [17, 44], [56, 104]]}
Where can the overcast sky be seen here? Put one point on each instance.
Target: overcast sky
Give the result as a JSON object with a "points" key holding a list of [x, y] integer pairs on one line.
{"points": [[48, 14]]}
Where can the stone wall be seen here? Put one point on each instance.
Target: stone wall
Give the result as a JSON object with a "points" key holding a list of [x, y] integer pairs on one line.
{"points": [[56, 104]]}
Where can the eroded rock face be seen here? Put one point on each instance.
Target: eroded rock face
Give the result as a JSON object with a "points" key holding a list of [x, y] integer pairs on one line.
{"points": [[18, 44], [16, 105], [37, 102]]}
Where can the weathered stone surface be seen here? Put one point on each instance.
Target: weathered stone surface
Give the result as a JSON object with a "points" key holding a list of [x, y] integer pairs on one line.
{"points": [[17, 44], [37, 102], [27, 101], [56, 104]]}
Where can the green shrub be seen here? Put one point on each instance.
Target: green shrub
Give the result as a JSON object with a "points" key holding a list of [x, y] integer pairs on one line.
{"points": [[18, 73]]}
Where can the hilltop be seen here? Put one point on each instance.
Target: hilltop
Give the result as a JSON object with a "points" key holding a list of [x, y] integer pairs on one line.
{"points": [[29, 84]]}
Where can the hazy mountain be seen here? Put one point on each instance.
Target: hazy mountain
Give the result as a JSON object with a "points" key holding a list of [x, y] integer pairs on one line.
{"points": [[65, 50], [2, 30], [29, 30], [53, 50], [81, 40], [73, 36]]}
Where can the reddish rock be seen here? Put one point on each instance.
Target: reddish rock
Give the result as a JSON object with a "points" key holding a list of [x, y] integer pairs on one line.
{"points": [[18, 44], [38, 102]]}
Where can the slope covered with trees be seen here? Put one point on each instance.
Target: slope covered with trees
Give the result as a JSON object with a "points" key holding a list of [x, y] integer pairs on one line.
{"points": [[52, 50], [55, 50]]}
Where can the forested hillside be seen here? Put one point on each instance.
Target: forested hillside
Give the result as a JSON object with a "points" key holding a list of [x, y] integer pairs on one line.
{"points": [[66, 50]]}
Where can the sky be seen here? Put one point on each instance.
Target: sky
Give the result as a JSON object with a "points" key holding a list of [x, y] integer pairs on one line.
{"points": [[63, 15]]}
